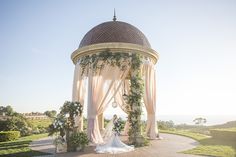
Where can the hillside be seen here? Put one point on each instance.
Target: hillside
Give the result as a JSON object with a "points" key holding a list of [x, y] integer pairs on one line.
{"points": [[230, 124]]}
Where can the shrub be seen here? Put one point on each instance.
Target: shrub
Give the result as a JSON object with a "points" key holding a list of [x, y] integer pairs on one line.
{"points": [[223, 134], [17, 123], [3, 125], [9, 135], [165, 125], [25, 131], [79, 139], [36, 131]]}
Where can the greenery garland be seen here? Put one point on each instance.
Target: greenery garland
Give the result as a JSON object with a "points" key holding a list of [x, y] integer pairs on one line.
{"points": [[97, 62], [134, 99]]}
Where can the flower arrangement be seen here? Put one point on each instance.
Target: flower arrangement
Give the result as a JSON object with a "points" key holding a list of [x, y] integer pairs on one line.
{"points": [[58, 126], [118, 126], [64, 124]]}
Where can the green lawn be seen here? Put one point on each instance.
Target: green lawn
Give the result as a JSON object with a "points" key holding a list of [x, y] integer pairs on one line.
{"points": [[212, 150], [44, 123], [208, 145], [195, 136], [227, 129], [20, 147]]}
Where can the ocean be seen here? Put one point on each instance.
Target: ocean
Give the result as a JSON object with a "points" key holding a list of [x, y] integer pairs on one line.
{"points": [[187, 119]]}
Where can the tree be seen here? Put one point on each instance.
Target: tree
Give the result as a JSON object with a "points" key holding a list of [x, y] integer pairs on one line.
{"points": [[50, 114], [165, 125], [17, 122], [8, 111], [200, 121], [14, 122]]}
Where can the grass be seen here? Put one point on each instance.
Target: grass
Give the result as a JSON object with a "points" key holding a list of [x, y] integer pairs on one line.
{"points": [[20, 147], [208, 146], [227, 129], [43, 123], [195, 136], [212, 150], [33, 137]]}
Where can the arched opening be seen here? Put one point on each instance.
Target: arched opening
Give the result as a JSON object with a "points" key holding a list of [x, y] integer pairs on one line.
{"points": [[126, 77]]}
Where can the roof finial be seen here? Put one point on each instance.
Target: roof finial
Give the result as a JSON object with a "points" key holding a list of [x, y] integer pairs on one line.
{"points": [[114, 17]]}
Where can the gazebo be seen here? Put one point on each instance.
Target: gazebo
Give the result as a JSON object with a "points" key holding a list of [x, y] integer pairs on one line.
{"points": [[115, 61]]}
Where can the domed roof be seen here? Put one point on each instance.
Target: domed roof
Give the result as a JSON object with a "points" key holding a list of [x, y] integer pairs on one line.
{"points": [[114, 31]]}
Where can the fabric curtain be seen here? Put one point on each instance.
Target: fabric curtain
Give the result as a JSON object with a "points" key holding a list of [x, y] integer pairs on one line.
{"points": [[100, 94], [124, 89], [78, 93], [150, 99]]}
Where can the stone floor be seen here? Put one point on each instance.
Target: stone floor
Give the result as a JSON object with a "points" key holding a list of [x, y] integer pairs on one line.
{"points": [[169, 146]]}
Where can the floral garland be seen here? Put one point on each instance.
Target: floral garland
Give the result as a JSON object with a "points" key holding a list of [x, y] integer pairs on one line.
{"points": [[97, 62], [135, 103]]}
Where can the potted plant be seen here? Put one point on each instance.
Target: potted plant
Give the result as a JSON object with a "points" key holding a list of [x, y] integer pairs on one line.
{"points": [[60, 144], [78, 141], [83, 140]]}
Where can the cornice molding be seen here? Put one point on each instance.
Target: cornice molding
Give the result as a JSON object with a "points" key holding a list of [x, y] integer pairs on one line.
{"points": [[114, 47]]}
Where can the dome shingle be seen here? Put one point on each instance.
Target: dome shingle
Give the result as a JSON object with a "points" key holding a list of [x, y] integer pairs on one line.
{"points": [[114, 31]]}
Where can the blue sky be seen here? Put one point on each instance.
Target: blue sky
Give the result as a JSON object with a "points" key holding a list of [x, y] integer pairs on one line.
{"points": [[196, 41]]}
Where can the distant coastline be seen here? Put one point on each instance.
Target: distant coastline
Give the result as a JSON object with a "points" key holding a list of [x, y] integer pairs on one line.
{"points": [[188, 119]]}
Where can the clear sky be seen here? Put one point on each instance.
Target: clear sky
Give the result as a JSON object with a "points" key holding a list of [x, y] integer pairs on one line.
{"points": [[196, 41]]}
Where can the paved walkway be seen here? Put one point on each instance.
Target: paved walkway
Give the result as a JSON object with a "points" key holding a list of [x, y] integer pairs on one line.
{"points": [[169, 146], [43, 145]]}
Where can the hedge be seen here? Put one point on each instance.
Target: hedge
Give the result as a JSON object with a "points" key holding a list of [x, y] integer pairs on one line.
{"points": [[223, 134], [9, 135]]}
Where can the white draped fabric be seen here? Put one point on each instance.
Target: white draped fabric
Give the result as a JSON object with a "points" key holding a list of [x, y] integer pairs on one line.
{"points": [[124, 89], [109, 84], [150, 98], [126, 128], [100, 93], [78, 93]]}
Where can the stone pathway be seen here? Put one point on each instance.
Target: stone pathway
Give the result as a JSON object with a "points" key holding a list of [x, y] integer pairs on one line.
{"points": [[44, 145], [169, 146]]}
